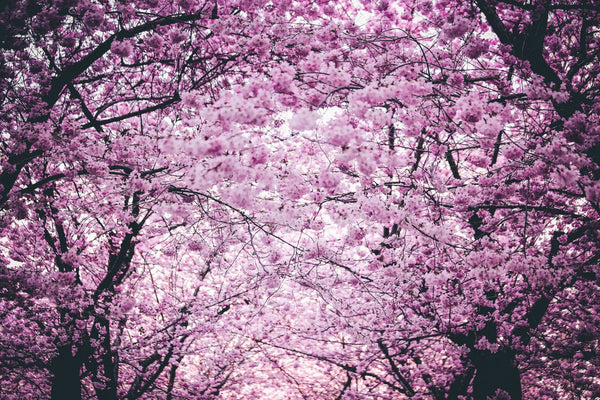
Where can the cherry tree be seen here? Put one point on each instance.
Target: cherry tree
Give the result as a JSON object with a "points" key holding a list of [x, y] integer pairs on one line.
{"points": [[466, 191], [307, 199], [130, 145]]}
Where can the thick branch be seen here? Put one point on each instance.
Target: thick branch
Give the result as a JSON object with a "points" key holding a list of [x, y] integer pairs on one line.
{"points": [[160, 106], [495, 22], [452, 164], [394, 367], [74, 70]]}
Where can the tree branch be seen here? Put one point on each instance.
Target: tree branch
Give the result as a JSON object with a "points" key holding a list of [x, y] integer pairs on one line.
{"points": [[410, 391], [72, 71], [146, 110]]}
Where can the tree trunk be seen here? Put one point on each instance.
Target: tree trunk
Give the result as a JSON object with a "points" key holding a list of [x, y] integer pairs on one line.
{"points": [[496, 371], [65, 383], [103, 363]]}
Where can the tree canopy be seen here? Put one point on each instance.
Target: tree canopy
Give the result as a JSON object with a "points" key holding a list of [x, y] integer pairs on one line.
{"points": [[309, 199]]}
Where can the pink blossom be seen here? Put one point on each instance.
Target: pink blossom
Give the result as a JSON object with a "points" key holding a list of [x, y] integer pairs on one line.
{"points": [[455, 29], [328, 179], [304, 120], [176, 36], [476, 48], [122, 48], [93, 17], [155, 41]]}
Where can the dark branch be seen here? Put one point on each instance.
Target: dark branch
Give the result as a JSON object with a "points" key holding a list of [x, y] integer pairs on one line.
{"points": [[146, 110], [74, 70], [394, 367], [452, 163]]}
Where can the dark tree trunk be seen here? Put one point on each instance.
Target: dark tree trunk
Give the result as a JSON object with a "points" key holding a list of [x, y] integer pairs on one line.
{"points": [[496, 371], [103, 363], [493, 371], [66, 384]]}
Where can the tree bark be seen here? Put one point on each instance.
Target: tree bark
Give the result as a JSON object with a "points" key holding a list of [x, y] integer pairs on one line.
{"points": [[496, 371], [493, 370], [65, 384]]}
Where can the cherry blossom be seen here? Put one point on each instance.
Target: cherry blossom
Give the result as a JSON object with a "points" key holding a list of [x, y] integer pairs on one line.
{"points": [[299, 199]]}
